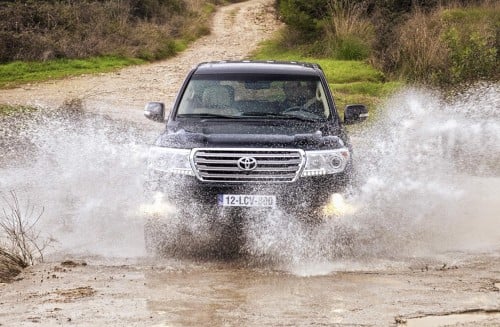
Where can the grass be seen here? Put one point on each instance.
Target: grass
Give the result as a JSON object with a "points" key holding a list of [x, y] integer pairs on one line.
{"points": [[19, 72], [7, 109], [351, 81]]}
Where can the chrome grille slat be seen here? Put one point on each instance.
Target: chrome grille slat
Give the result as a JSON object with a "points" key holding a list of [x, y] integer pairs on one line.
{"points": [[267, 162], [256, 155], [231, 169], [273, 165]]}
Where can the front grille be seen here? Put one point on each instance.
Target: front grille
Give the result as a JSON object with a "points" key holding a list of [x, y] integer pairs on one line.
{"points": [[271, 165]]}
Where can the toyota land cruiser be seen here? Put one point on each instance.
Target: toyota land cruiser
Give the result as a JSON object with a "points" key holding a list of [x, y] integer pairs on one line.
{"points": [[253, 134]]}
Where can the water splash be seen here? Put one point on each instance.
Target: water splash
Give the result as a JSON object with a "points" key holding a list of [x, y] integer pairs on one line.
{"points": [[86, 171], [428, 178], [423, 163], [428, 175]]}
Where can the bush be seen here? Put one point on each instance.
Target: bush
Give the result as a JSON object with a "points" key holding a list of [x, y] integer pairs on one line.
{"points": [[303, 15], [20, 242], [42, 30], [351, 48], [472, 39], [449, 46], [471, 57], [348, 32], [418, 53], [431, 41], [443, 42], [157, 10]]}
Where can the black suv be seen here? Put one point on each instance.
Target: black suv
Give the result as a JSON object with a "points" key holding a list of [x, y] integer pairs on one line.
{"points": [[253, 134]]}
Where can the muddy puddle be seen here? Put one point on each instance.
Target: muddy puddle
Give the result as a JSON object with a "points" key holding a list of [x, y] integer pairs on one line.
{"points": [[259, 297], [467, 319]]}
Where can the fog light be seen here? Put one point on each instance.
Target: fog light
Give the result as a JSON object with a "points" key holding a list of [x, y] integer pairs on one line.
{"points": [[337, 206], [159, 208]]}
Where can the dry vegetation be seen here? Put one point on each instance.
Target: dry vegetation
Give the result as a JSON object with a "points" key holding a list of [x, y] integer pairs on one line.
{"points": [[20, 242], [152, 29], [348, 32], [440, 42], [449, 45]]}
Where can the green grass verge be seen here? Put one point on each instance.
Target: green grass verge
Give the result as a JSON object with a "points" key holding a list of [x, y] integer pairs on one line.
{"points": [[351, 81], [19, 72], [9, 109]]}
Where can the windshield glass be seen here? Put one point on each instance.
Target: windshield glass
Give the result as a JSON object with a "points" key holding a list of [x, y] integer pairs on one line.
{"points": [[252, 95]]}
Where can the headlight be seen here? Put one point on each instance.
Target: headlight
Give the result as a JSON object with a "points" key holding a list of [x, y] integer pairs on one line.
{"points": [[169, 160], [325, 162]]}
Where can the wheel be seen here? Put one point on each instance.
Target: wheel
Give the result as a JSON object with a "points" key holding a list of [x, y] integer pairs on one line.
{"points": [[153, 236], [202, 233]]}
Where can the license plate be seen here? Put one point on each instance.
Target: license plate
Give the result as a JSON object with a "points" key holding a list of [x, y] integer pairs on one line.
{"points": [[243, 200]]}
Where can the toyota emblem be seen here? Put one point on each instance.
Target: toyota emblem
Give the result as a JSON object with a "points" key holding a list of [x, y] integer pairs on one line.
{"points": [[247, 163]]}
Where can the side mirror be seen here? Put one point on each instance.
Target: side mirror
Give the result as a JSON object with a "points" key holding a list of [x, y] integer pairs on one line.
{"points": [[355, 113], [155, 111]]}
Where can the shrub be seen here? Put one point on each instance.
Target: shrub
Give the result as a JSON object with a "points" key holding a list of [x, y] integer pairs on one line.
{"points": [[472, 37], [449, 46], [303, 15], [418, 53], [20, 242], [157, 10], [471, 57], [352, 48], [41, 30], [348, 32]]}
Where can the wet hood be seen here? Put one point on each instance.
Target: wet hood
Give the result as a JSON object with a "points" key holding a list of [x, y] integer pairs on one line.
{"points": [[273, 134]]}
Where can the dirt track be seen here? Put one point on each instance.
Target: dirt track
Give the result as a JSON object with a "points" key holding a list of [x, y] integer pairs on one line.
{"points": [[142, 291], [172, 293]]}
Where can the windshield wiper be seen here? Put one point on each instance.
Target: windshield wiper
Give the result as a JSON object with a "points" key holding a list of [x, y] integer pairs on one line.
{"points": [[205, 115], [302, 118], [254, 114], [250, 115], [257, 114]]}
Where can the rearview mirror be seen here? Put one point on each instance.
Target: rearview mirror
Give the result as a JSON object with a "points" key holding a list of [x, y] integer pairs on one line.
{"points": [[155, 111], [355, 113]]}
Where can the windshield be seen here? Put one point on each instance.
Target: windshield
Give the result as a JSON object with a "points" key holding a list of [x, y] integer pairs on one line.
{"points": [[252, 95]]}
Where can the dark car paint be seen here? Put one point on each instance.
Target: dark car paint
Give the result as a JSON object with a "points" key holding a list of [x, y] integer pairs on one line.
{"points": [[257, 133]]}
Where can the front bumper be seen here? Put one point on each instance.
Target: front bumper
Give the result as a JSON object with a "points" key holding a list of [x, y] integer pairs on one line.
{"points": [[307, 192]]}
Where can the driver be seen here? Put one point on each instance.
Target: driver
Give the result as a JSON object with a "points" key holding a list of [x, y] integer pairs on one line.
{"points": [[301, 97], [295, 94]]}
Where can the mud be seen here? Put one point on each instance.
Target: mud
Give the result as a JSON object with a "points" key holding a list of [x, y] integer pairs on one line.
{"points": [[418, 236], [143, 292], [477, 318]]}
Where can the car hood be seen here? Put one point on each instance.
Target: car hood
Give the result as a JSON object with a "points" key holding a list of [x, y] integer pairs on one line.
{"points": [[266, 134]]}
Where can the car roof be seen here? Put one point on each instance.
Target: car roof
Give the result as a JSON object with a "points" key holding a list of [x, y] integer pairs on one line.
{"points": [[259, 67]]}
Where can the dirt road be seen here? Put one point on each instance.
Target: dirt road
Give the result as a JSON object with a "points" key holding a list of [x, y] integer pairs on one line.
{"points": [[412, 253], [173, 293]]}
